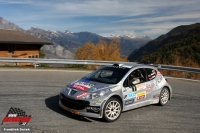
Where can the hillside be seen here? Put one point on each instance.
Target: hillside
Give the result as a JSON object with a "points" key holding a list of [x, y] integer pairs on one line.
{"points": [[179, 40], [184, 50]]}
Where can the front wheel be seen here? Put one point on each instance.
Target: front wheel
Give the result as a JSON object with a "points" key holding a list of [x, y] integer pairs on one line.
{"points": [[112, 110], [164, 96]]}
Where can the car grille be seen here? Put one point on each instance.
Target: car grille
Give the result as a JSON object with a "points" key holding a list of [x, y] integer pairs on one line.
{"points": [[74, 104]]}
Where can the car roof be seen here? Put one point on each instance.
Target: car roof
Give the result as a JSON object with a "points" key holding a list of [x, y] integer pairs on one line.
{"points": [[133, 64]]}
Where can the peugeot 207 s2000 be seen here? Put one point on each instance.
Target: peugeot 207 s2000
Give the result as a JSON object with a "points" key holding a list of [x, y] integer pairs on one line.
{"points": [[112, 89]]}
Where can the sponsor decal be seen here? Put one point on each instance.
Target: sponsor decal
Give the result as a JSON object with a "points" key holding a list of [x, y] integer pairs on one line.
{"points": [[152, 77], [128, 102], [141, 86], [161, 81], [79, 87], [159, 74], [81, 95], [82, 86], [134, 88], [148, 87], [94, 89], [101, 87], [130, 95], [115, 89], [127, 89], [93, 109], [141, 95], [17, 115]]}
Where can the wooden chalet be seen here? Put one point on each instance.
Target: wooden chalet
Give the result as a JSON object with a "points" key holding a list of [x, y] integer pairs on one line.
{"points": [[17, 44]]}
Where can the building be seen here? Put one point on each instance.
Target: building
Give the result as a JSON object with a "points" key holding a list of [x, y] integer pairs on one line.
{"points": [[17, 44]]}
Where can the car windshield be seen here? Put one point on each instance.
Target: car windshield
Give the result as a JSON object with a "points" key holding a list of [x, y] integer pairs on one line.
{"points": [[108, 74]]}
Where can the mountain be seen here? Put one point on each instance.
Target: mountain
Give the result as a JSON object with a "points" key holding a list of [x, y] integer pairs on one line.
{"points": [[180, 46], [4, 24], [65, 43], [129, 44], [68, 42]]}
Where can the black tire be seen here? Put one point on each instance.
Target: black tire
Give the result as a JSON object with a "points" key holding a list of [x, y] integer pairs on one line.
{"points": [[164, 96], [114, 111]]}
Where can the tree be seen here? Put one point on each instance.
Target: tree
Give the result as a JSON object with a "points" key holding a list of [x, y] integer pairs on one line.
{"points": [[41, 53], [102, 51], [86, 52]]}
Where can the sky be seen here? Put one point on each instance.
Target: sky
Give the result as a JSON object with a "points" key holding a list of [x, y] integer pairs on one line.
{"points": [[150, 18]]}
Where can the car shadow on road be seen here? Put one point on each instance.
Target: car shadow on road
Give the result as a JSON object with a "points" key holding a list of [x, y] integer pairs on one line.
{"points": [[52, 103]]}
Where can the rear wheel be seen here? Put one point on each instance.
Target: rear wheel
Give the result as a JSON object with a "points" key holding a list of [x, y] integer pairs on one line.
{"points": [[164, 96], [112, 110]]}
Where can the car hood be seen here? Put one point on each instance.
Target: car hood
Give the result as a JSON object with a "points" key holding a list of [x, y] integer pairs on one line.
{"points": [[89, 86]]}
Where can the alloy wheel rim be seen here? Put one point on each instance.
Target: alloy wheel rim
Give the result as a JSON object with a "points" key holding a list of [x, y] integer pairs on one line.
{"points": [[164, 96], [113, 110]]}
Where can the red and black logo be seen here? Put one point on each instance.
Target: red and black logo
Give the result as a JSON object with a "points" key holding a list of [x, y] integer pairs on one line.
{"points": [[17, 115]]}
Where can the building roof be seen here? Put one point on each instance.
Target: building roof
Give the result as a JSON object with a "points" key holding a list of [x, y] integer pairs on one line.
{"points": [[19, 37]]}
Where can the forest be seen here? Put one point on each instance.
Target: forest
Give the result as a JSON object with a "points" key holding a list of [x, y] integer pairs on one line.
{"points": [[184, 52]]}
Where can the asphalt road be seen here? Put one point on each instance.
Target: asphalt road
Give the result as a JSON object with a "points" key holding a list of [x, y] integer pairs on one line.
{"points": [[36, 92]]}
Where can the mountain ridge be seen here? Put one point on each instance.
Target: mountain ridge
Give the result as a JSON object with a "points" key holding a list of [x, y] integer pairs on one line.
{"points": [[65, 43], [181, 47], [175, 34]]}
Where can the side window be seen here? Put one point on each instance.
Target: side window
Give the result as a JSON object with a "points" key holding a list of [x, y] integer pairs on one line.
{"points": [[151, 73], [136, 77], [126, 83]]}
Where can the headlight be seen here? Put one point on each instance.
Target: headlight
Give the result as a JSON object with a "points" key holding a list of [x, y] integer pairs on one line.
{"points": [[65, 89], [96, 94]]}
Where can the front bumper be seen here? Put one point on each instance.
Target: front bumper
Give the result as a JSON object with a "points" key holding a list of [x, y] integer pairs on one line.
{"points": [[80, 107]]}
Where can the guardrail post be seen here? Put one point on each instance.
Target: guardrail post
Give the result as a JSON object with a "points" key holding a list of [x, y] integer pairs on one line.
{"points": [[35, 65]]}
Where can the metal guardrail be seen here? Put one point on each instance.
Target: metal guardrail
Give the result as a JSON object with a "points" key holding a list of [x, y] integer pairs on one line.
{"points": [[177, 68], [56, 61], [93, 62]]}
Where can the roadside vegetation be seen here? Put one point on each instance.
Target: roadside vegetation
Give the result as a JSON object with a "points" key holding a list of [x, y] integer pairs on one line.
{"points": [[104, 51]]}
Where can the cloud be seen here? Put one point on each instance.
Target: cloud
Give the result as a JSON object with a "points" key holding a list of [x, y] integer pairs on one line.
{"points": [[119, 17], [15, 1], [195, 15], [150, 29]]}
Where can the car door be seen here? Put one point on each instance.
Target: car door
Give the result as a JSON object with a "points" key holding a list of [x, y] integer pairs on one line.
{"points": [[154, 77], [137, 94]]}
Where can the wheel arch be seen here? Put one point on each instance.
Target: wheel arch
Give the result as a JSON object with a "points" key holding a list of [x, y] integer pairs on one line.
{"points": [[169, 91], [119, 98]]}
